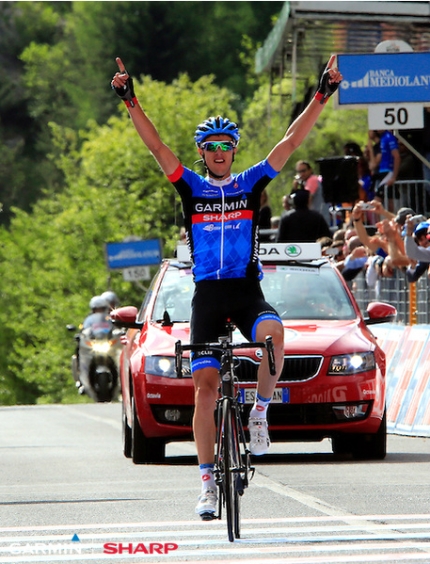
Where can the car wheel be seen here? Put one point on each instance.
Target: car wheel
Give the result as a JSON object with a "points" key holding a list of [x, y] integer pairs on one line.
{"points": [[341, 444], [143, 449], [363, 446], [126, 434], [373, 447]]}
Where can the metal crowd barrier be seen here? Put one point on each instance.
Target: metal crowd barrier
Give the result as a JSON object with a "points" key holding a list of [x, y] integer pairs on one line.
{"points": [[413, 194], [412, 301]]}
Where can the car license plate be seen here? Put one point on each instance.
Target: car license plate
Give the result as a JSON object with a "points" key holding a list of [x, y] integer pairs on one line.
{"points": [[280, 395]]}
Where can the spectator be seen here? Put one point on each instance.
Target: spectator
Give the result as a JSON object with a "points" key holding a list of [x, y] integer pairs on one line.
{"points": [[389, 164], [335, 250], [352, 150], [265, 211], [265, 219], [302, 224], [366, 192], [410, 168], [326, 243], [402, 214], [274, 222], [416, 252], [392, 250], [426, 146], [415, 271], [285, 205], [182, 236], [305, 178], [355, 259], [339, 236], [372, 155], [373, 151]]}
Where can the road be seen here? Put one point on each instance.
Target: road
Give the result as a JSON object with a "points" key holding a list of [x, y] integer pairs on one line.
{"points": [[67, 494]]}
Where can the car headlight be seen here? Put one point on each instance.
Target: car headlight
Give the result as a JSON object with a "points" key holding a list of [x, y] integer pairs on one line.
{"points": [[165, 366], [349, 364]]}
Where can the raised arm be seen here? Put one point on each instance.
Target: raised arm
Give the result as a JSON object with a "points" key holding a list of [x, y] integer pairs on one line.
{"points": [[300, 128], [122, 83]]}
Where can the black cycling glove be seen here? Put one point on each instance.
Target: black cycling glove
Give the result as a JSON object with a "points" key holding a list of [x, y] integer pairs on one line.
{"points": [[126, 93], [325, 88]]}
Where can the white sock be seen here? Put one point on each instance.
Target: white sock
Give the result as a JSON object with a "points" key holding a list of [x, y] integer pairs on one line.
{"points": [[208, 477], [260, 406]]}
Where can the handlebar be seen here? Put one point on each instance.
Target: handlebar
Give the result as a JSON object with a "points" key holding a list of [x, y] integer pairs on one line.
{"points": [[222, 345]]}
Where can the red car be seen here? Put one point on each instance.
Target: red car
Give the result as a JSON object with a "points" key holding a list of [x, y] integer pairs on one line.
{"points": [[333, 379]]}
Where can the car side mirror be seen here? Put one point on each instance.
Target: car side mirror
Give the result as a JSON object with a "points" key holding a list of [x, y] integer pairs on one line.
{"points": [[380, 312], [126, 317]]}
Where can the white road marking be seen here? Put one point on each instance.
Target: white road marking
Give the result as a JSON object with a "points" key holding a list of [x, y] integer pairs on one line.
{"points": [[302, 540]]}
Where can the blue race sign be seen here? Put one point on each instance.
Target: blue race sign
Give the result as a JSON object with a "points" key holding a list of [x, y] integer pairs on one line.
{"points": [[133, 253], [380, 78]]}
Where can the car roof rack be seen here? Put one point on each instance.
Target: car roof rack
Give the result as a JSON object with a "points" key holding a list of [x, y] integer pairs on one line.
{"points": [[269, 252]]}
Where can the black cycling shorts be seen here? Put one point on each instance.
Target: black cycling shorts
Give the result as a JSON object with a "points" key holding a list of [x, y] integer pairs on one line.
{"points": [[240, 300]]}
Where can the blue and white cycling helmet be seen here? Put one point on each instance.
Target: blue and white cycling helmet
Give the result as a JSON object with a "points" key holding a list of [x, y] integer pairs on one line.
{"points": [[216, 126]]}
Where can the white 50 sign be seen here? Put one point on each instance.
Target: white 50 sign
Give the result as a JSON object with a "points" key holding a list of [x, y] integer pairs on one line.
{"points": [[396, 116]]}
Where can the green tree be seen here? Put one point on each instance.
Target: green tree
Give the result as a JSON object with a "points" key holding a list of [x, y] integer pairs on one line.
{"points": [[57, 59], [52, 260]]}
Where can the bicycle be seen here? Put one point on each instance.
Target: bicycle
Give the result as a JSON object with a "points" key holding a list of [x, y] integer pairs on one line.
{"points": [[232, 456]]}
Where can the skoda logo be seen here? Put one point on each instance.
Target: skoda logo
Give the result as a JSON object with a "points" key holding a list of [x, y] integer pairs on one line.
{"points": [[293, 251]]}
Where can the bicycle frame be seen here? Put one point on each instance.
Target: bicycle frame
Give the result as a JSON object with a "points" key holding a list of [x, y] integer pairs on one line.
{"points": [[232, 457]]}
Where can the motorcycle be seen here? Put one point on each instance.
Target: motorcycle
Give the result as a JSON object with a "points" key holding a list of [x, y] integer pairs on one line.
{"points": [[95, 365]]}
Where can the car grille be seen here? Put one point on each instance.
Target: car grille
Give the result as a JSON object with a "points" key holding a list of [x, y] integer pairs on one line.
{"points": [[296, 368]]}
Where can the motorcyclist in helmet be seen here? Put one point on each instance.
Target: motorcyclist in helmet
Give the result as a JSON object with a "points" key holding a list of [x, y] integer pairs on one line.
{"points": [[111, 298], [99, 308]]}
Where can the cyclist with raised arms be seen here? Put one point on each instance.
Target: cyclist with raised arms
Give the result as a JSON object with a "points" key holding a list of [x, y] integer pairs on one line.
{"points": [[221, 214]]}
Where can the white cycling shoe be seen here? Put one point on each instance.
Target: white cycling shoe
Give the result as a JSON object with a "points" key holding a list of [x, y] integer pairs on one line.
{"points": [[207, 504], [259, 442]]}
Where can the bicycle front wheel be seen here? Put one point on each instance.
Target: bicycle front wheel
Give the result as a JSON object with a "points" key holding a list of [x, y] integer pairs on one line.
{"points": [[231, 482]]}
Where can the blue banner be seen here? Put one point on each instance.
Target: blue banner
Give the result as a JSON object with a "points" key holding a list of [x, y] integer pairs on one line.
{"points": [[133, 253], [384, 78]]}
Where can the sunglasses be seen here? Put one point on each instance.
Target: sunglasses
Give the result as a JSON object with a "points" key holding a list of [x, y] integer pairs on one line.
{"points": [[302, 171], [212, 146]]}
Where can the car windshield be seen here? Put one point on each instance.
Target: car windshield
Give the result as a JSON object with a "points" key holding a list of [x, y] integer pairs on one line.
{"points": [[296, 292], [174, 295]]}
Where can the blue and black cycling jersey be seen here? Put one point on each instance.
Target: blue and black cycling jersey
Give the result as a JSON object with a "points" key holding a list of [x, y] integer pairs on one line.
{"points": [[221, 220]]}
